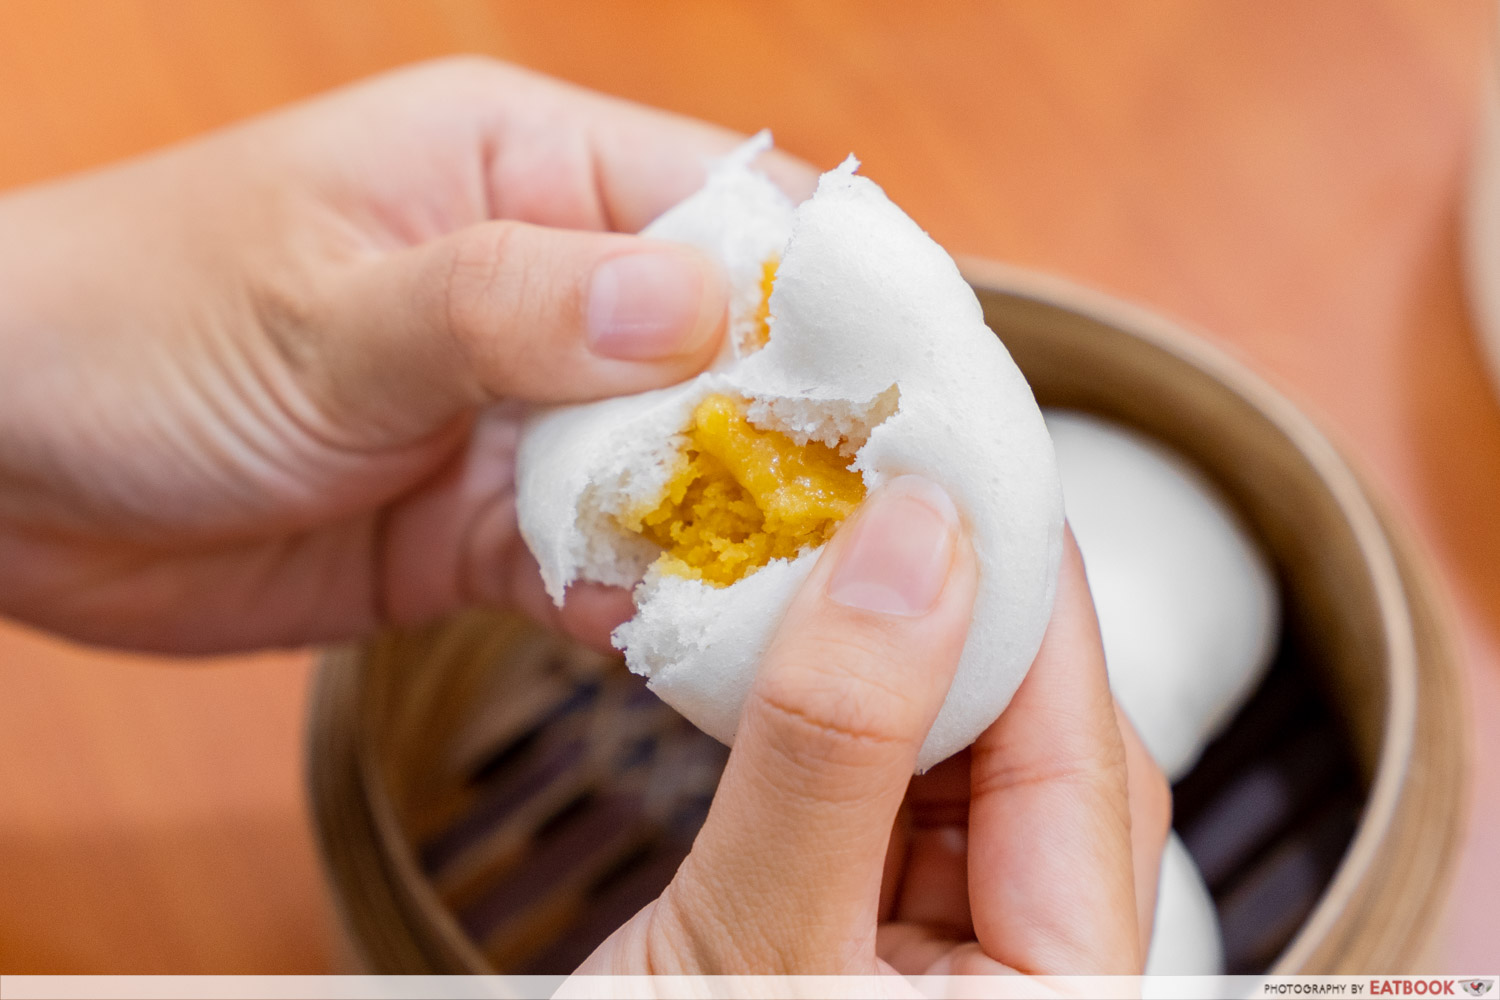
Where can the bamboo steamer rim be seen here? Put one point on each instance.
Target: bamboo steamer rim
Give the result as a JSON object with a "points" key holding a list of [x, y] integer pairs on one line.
{"points": [[406, 922], [1195, 350]]}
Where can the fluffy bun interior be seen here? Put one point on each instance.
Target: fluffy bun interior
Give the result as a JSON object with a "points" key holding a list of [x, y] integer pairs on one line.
{"points": [[742, 495], [742, 482]]}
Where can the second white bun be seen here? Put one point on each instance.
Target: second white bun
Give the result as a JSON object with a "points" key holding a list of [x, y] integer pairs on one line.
{"points": [[876, 339], [1187, 605], [1185, 937]]}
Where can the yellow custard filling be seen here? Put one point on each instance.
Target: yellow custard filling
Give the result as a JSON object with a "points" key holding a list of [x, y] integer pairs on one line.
{"points": [[761, 336], [741, 496]]}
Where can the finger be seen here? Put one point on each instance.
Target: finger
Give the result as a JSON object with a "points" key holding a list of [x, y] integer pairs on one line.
{"points": [[454, 543], [934, 889], [1150, 821], [493, 141], [916, 949], [640, 180], [590, 615], [785, 874], [935, 893], [506, 309], [567, 156], [1051, 879], [891, 875]]}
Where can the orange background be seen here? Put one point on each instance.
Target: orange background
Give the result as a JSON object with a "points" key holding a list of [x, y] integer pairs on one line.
{"points": [[1286, 176]]}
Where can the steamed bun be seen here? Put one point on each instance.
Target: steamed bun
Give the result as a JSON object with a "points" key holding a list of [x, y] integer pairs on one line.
{"points": [[1185, 937], [1187, 605], [857, 353]]}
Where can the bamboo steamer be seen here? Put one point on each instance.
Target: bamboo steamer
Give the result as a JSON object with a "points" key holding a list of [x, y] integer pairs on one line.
{"points": [[489, 798]]}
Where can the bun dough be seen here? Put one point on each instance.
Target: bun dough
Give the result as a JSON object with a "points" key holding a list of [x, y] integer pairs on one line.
{"points": [[877, 347], [1185, 938], [1187, 604]]}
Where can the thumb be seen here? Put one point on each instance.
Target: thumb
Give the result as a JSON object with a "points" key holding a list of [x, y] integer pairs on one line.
{"points": [[506, 309], [790, 859]]}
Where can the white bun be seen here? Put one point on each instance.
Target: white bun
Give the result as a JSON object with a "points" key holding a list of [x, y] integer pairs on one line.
{"points": [[875, 338], [1185, 937], [1187, 605]]}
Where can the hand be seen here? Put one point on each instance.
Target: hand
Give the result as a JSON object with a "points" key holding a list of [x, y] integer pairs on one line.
{"points": [[1036, 851], [254, 387]]}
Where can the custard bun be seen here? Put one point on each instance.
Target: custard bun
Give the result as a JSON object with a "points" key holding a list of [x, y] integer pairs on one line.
{"points": [[1188, 607], [856, 353], [1185, 935]]}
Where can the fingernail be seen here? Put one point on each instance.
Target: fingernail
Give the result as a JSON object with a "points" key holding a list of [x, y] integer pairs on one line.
{"points": [[899, 557], [646, 305]]}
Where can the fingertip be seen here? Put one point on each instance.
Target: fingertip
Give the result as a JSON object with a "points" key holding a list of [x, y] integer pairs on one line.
{"points": [[593, 611], [657, 302], [712, 321], [897, 556], [1071, 569], [1073, 632], [589, 613], [794, 175]]}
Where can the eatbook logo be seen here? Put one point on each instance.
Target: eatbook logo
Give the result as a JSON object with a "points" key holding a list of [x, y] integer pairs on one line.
{"points": [[1477, 987]]}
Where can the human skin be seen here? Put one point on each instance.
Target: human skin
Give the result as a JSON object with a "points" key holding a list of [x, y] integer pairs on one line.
{"points": [[822, 855], [261, 389], [257, 385]]}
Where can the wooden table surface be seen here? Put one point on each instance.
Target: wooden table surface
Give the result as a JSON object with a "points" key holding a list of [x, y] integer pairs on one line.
{"points": [[1287, 177]]}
